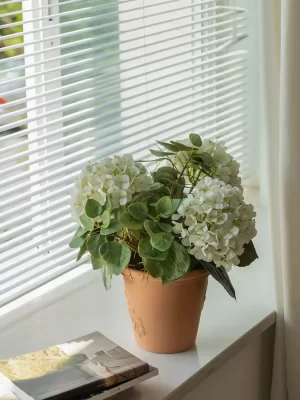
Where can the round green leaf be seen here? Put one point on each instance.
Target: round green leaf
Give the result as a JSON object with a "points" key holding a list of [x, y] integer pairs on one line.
{"points": [[113, 227], [93, 209], [164, 206], [151, 227], [165, 227], [120, 211], [146, 250], [93, 244], [162, 241], [129, 222], [156, 186], [105, 216], [117, 256], [98, 263], [195, 140], [87, 222], [139, 211], [207, 159], [175, 266], [136, 234], [110, 252], [153, 267], [124, 260], [175, 205], [108, 205]]}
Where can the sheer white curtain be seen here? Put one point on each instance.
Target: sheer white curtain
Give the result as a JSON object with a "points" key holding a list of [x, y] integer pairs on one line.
{"points": [[281, 53]]}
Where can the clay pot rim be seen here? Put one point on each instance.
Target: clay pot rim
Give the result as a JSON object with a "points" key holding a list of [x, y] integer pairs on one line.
{"points": [[191, 275]]}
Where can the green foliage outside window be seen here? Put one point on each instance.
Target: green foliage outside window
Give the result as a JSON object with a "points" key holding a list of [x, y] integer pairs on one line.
{"points": [[5, 30]]}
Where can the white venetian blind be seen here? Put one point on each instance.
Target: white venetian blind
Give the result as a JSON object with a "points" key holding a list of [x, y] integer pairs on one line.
{"points": [[84, 79]]}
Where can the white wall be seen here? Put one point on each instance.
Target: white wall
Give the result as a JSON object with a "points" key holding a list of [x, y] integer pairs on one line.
{"points": [[246, 376]]}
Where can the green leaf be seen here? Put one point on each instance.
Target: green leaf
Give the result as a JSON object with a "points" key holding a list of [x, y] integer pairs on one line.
{"points": [[165, 173], [164, 178], [93, 209], [106, 277], [120, 211], [93, 244], [171, 183], [167, 146], [165, 227], [136, 234], [220, 275], [207, 159], [166, 280], [195, 140], [138, 211], [113, 227], [159, 153], [175, 205], [181, 146], [98, 263], [110, 252], [156, 186], [129, 222], [153, 267], [116, 255], [77, 239], [108, 205], [80, 231], [124, 259], [87, 222], [105, 216], [168, 170], [151, 227], [146, 250], [197, 158], [82, 250], [248, 256], [162, 241], [175, 266], [157, 159], [164, 206]]}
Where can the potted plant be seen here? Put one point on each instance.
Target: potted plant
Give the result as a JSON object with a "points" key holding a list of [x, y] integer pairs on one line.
{"points": [[165, 229]]}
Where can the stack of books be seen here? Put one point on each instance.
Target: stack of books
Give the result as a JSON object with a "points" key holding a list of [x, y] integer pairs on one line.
{"points": [[88, 367]]}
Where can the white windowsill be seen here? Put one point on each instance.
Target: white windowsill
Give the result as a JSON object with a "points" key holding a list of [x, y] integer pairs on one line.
{"points": [[81, 305]]}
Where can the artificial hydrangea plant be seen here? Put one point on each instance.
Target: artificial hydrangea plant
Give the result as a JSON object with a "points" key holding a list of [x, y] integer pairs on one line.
{"points": [[188, 213]]}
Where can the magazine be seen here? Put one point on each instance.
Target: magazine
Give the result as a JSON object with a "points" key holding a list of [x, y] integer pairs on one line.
{"points": [[81, 368]]}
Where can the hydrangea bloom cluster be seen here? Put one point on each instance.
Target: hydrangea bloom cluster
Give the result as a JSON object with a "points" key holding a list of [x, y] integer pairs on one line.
{"points": [[117, 176], [227, 169], [214, 222]]}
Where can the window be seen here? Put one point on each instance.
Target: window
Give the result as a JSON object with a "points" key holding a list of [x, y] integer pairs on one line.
{"points": [[85, 79]]}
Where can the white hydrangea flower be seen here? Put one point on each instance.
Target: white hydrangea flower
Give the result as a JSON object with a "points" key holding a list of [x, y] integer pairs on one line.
{"points": [[214, 222], [119, 177], [227, 168]]}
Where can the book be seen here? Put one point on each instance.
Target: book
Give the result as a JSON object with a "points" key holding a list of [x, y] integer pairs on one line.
{"points": [[89, 366]]}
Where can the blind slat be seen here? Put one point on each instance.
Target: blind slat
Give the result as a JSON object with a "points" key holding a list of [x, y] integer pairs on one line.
{"points": [[60, 161], [116, 13], [93, 91], [214, 126], [66, 118], [79, 163], [92, 77]]}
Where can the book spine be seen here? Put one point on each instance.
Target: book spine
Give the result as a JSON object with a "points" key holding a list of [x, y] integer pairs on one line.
{"points": [[13, 388]]}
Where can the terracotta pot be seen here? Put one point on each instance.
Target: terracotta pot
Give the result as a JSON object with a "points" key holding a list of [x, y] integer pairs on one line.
{"points": [[165, 318]]}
